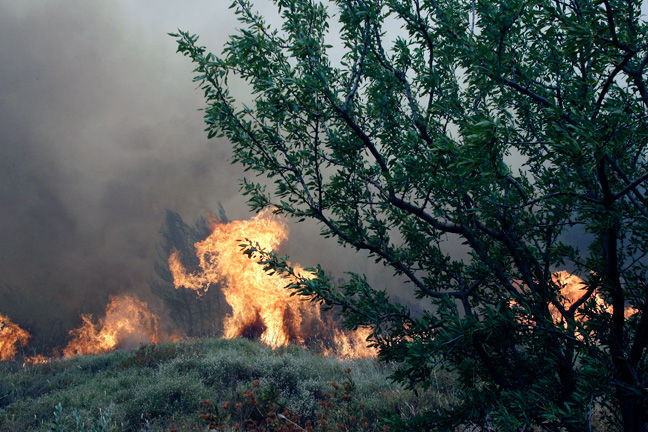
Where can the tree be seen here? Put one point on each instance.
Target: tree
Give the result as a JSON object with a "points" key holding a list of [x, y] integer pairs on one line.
{"points": [[477, 147], [195, 314]]}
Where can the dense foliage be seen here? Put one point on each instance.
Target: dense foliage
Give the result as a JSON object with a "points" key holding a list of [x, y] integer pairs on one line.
{"points": [[207, 384], [477, 147]]}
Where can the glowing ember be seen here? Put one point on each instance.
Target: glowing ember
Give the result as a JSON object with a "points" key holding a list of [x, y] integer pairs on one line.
{"points": [[127, 324], [35, 360], [261, 306], [11, 336]]}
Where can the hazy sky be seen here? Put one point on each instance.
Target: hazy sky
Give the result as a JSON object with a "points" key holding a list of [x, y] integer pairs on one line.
{"points": [[99, 133]]}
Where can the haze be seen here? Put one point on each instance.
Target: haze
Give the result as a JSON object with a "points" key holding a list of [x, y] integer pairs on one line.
{"points": [[100, 133]]}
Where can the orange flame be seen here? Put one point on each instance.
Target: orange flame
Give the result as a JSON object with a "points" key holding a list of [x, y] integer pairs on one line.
{"points": [[572, 288], [352, 344], [36, 360], [127, 324], [261, 306], [11, 336]]}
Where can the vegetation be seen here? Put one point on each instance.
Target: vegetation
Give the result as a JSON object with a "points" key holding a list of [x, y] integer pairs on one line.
{"points": [[221, 385], [193, 314], [477, 147]]}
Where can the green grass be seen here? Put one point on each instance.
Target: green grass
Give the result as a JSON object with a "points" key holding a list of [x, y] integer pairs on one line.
{"points": [[203, 384]]}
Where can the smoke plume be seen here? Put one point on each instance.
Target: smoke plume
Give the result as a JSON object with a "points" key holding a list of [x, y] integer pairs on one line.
{"points": [[100, 133]]}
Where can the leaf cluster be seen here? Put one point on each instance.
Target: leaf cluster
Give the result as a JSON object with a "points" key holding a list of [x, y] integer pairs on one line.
{"points": [[477, 148]]}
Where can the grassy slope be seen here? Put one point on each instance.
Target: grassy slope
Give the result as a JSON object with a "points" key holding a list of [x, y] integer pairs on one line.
{"points": [[169, 386]]}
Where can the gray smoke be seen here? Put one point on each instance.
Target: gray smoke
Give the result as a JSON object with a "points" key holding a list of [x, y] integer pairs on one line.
{"points": [[100, 133]]}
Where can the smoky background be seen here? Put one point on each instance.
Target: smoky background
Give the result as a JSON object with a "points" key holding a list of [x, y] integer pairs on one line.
{"points": [[101, 135]]}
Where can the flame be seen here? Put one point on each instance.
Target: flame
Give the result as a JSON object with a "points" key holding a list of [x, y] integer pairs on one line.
{"points": [[261, 306], [127, 324], [11, 336], [572, 288], [352, 344], [36, 360]]}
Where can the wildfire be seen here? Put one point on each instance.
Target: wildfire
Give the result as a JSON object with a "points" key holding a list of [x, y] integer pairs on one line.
{"points": [[11, 336], [572, 288], [352, 344], [261, 306], [127, 324]]}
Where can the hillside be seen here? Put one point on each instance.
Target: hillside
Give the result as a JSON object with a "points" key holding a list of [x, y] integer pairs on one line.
{"points": [[210, 384]]}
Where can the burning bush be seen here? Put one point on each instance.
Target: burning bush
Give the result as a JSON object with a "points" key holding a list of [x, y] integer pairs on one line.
{"points": [[127, 324], [261, 306], [11, 336]]}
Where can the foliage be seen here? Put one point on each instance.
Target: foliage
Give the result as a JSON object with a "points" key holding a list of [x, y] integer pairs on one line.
{"points": [[184, 387], [102, 424], [154, 355], [262, 409], [477, 147]]}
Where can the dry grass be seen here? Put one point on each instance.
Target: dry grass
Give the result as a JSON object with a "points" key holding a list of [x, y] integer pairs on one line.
{"points": [[221, 385]]}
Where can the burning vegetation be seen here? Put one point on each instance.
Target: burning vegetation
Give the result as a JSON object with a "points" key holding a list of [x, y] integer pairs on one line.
{"points": [[11, 337], [572, 289], [261, 306], [127, 324]]}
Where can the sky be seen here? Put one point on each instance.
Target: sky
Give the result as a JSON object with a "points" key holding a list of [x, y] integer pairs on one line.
{"points": [[100, 132]]}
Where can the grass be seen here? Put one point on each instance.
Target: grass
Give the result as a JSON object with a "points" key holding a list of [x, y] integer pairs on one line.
{"points": [[210, 384]]}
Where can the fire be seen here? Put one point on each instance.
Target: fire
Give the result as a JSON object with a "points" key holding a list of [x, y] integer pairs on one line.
{"points": [[352, 344], [36, 360], [11, 336], [261, 306], [127, 324], [572, 288]]}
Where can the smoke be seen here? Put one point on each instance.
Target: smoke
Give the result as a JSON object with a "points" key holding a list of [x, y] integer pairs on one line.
{"points": [[100, 133]]}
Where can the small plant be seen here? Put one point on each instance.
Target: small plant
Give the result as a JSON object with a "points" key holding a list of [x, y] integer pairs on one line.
{"points": [[103, 423], [340, 410], [214, 417], [154, 355], [261, 408], [258, 409]]}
